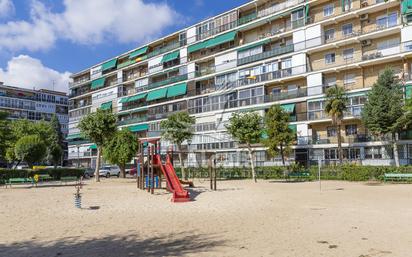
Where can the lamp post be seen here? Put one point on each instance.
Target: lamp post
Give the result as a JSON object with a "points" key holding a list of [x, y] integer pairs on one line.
{"points": [[189, 143]]}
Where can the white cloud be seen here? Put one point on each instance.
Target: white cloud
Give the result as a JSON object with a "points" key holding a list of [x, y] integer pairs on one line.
{"points": [[27, 72], [6, 8], [87, 22]]}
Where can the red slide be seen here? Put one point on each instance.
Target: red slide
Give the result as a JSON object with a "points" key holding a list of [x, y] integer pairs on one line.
{"points": [[173, 183]]}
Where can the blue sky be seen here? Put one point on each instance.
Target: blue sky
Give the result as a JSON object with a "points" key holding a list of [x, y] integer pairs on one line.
{"points": [[43, 41]]}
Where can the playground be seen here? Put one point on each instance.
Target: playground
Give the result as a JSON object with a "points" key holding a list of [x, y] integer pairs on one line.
{"points": [[240, 218]]}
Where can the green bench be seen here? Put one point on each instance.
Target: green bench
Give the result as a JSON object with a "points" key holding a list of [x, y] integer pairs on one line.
{"points": [[68, 179], [397, 177], [299, 176], [19, 181]]}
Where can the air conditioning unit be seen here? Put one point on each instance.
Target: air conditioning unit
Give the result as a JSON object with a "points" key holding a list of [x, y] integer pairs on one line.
{"points": [[366, 42], [364, 17]]}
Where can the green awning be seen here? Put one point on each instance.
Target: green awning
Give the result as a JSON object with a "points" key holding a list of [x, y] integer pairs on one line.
{"points": [[139, 127], [196, 47], [98, 83], [156, 94], [293, 128], [406, 6], [138, 52], [176, 90], [307, 12], [106, 106], [408, 92], [93, 147], [137, 97], [227, 37], [254, 45], [109, 65], [74, 136], [171, 56], [289, 108], [124, 100]]}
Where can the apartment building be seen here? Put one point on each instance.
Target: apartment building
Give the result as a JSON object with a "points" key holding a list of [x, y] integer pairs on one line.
{"points": [[262, 53], [35, 105]]}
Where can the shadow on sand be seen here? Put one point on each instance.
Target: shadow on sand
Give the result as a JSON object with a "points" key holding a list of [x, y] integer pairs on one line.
{"points": [[119, 246]]}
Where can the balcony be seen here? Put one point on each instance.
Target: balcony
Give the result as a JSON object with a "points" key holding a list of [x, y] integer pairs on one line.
{"points": [[351, 139], [300, 92], [266, 55], [287, 72], [132, 120], [168, 81], [164, 49], [253, 16]]}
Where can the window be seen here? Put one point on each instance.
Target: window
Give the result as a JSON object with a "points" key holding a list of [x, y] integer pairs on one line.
{"points": [[276, 91], [297, 15], [373, 153], [349, 79], [329, 34], [330, 58], [386, 21], [331, 131], [348, 54], [347, 29], [351, 129], [331, 154], [330, 81], [351, 153], [328, 10]]}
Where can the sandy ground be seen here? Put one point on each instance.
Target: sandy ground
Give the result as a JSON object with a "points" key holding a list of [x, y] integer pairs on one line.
{"points": [[241, 218]]}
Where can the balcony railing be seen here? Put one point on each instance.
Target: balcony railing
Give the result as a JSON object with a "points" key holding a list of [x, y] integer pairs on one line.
{"points": [[132, 120], [265, 55], [300, 92], [287, 72], [164, 49], [167, 81], [350, 139]]}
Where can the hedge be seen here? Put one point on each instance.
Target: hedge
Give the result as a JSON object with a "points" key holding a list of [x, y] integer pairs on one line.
{"points": [[348, 172], [5, 174]]}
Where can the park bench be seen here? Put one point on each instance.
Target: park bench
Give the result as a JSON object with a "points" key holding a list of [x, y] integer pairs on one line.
{"points": [[16, 181], [299, 176], [68, 179], [397, 176]]}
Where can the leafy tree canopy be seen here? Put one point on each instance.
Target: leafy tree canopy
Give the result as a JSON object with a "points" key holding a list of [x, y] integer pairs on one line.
{"points": [[279, 136], [178, 127], [30, 149], [384, 106], [245, 127], [98, 126]]}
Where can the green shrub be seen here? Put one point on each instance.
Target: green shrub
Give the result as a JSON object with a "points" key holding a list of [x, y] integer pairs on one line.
{"points": [[5, 174]]}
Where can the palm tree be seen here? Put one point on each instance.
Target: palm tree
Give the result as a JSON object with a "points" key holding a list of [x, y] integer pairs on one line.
{"points": [[336, 104]]}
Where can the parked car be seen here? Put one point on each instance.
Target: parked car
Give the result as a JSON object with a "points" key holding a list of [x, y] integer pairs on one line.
{"points": [[108, 171], [88, 173]]}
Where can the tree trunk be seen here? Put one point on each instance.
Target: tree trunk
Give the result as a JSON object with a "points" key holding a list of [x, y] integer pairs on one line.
{"points": [[96, 171], [339, 145], [182, 167], [17, 164], [395, 149], [122, 171], [252, 164]]}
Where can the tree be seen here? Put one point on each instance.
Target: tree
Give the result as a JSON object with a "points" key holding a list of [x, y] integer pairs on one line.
{"points": [[58, 141], [178, 128], [99, 127], [22, 128], [335, 107], [55, 153], [246, 128], [280, 136], [384, 108], [30, 149], [121, 149], [4, 134]]}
